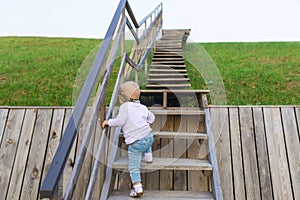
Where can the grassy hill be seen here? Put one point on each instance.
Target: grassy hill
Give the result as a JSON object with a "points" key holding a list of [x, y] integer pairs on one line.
{"points": [[41, 71]]}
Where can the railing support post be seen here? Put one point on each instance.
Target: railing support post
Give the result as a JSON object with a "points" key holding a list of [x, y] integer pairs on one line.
{"points": [[137, 56]]}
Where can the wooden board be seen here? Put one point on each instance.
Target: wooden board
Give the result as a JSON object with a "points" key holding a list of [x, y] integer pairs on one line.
{"points": [[166, 151], [180, 148], [3, 118], [152, 177], [54, 137], [167, 163], [18, 170], [9, 148], [197, 181], [262, 155], [176, 111], [85, 171], [237, 159], [101, 172], [70, 163], [298, 119], [281, 182], [220, 127], [53, 142], [166, 195], [249, 154], [33, 172], [293, 147]]}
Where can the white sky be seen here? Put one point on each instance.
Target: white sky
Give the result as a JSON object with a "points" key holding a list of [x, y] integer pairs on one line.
{"points": [[209, 20]]}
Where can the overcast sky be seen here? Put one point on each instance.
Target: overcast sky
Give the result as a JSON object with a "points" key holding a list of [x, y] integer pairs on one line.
{"points": [[209, 20]]}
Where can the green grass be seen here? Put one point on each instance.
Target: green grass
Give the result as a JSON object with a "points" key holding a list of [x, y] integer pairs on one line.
{"points": [[266, 73], [41, 71]]}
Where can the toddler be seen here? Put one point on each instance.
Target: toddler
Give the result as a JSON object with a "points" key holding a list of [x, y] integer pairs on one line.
{"points": [[135, 120]]}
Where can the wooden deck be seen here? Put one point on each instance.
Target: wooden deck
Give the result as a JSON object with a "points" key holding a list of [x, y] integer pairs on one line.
{"points": [[258, 151]]}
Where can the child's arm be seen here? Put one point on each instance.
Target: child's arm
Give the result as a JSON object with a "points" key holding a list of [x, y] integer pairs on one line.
{"points": [[150, 117], [119, 120]]}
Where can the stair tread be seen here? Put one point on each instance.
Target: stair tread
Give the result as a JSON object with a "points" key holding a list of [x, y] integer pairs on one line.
{"points": [[168, 46], [167, 164], [163, 195], [179, 135], [178, 111], [166, 65], [173, 75], [166, 59], [177, 50], [175, 91], [167, 79], [166, 56], [167, 62], [168, 70], [169, 42], [168, 85], [170, 52]]}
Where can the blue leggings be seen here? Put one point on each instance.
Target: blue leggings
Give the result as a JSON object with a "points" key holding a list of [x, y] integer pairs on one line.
{"points": [[135, 153]]}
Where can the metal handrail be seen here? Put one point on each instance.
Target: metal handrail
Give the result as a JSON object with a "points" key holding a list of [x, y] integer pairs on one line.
{"points": [[109, 114], [50, 183], [104, 132]]}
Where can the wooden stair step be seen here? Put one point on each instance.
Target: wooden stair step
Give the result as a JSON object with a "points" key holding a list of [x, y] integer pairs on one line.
{"points": [[168, 70], [171, 37], [163, 195], [178, 135], [163, 53], [168, 62], [156, 80], [167, 164], [180, 111], [167, 65], [168, 50], [172, 112], [167, 42], [164, 56], [169, 46], [175, 91], [167, 58], [167, 75], [168, 85]]}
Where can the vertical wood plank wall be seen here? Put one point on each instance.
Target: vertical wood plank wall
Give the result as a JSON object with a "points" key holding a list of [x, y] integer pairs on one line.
{"points": [[258, 150]]}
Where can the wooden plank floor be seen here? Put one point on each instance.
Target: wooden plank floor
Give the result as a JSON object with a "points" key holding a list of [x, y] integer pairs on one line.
{"points": [[258, 150]]}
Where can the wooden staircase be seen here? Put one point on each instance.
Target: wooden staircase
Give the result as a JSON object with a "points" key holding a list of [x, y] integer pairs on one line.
{"points": [[168, 69], [183, 165]]}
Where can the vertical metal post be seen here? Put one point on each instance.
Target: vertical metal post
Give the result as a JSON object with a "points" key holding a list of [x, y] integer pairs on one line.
{"points": [[137, 56], [147, 38], [123, 36]]}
